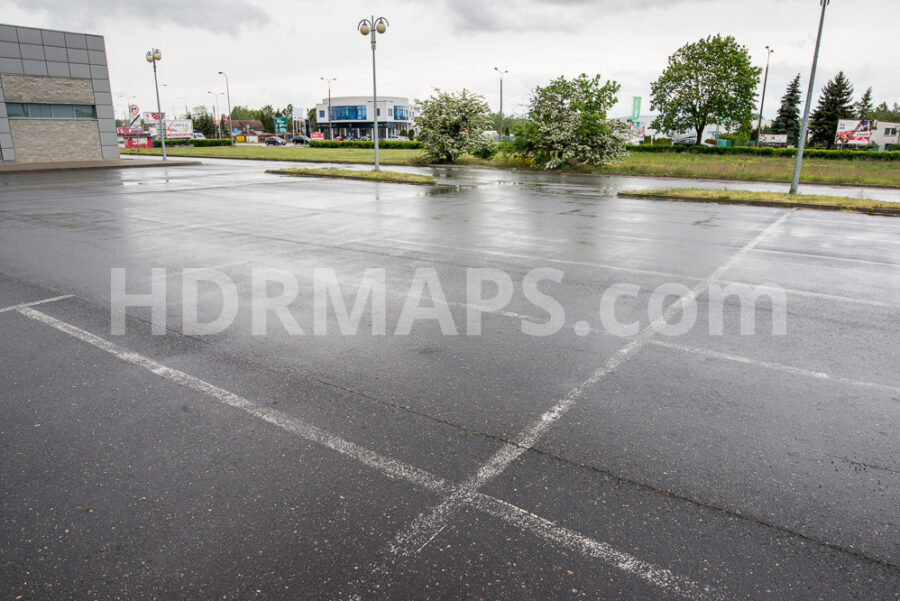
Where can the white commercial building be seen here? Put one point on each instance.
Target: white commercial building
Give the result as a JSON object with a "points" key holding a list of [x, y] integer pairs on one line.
{"points": [[352, 115]]}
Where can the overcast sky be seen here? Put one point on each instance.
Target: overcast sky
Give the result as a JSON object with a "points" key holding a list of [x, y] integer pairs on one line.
{"points": [[275, 51]]}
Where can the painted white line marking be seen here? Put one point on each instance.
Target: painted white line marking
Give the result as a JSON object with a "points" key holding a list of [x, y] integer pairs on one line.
{"points": [[35, 303], [508, 513], [674, 276], [587, 547], [389, 467], [791, 253], [426, 527], [800, 371]]}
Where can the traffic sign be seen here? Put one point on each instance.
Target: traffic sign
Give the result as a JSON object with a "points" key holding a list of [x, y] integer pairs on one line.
{"points": [[281, 125]]}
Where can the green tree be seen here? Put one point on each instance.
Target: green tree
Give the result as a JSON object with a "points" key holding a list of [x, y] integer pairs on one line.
{"points": [[709, 81], [567, 123], [267, 117], [863, 107], [835, 103], [452, 124], [203, 121], [788, 119], [244, 113], [883, 113], [311, 116]]}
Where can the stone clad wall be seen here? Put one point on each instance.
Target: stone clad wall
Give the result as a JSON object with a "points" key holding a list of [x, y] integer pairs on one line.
{"points": [[54, 90], [39, 140]]}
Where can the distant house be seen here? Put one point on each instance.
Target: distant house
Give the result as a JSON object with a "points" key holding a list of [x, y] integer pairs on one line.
{"points": [[252, 127]]}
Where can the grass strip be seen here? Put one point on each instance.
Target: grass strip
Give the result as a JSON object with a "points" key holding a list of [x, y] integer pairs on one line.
{"points": [[393, 177], [778, 199]]}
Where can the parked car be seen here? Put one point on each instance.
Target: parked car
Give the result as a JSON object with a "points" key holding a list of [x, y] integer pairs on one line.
{"points": [[198, 136], [300, 139], [275, 141]]}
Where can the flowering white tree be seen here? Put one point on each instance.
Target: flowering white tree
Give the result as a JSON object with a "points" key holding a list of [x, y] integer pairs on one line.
{"points": [[567, 124], [453, 124]]}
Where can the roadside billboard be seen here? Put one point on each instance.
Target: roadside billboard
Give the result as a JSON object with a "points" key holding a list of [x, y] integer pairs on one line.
{"points": [[853, 133], [148, 117], [176, 129], [773, 139]]}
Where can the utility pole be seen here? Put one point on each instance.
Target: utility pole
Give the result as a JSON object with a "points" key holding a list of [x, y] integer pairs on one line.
{"points": [[801, 143], [328, 80], [373, 27], [228, 91], [769, 52], [500, 132]]}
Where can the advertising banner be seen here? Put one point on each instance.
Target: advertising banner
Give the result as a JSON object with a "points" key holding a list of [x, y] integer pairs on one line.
{"points": [[175, 129], [773, 139], [317, 136], [148, 117], [298, 114], [128, 131], [854, 133], [636, 109]]}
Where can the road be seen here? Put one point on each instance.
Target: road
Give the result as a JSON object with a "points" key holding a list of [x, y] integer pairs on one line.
{"points": [[443, 464]]}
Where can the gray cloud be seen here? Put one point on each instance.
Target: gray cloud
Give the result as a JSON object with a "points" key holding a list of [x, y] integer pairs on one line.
{"points": [[217, 16], [481, 16]]}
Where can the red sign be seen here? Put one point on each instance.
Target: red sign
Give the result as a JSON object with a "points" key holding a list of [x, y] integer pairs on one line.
{"points": [[318, 136], [138, 142], [133, 110], [128, 131]]}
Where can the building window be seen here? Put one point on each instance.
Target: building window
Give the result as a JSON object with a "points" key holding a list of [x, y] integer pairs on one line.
{"points": [[63, 111], [401, 113], [84, 111], [21, 110], [348, 113], [321, 114], [390, 112], [16, 109], [40, 111], [890, 131]]}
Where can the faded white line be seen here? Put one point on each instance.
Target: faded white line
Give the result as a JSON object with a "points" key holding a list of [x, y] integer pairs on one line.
{"points": [[800, 371], [35, 303], [827, 257], [510, 514], [389, 467], [569, 539], [426, 527]]}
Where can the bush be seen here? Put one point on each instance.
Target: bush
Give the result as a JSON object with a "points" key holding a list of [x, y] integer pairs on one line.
{"points": [[386, 144], [195, 143], [662, 142]]}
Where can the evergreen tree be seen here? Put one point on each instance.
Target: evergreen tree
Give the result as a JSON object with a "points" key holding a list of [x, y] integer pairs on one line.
{"points": [[835, 103], [788, 119], [864, 108], [883, 113]]}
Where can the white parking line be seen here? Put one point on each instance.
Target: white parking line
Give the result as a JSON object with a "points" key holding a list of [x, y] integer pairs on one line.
{"points": [[508, 513], [834, 297], [35, 303], [800, 371], [426, 527]]}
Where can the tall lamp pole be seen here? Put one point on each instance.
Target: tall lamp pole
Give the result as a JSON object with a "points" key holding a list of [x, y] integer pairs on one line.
{"points": [[801, 143], [228, 92], [328, 80], [153, 56], [502, 73], [367, 27], [216, 95], [769, 52]]}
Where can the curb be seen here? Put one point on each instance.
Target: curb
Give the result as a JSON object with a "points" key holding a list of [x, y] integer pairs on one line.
{"points": [[43, 167], [888, 212]]}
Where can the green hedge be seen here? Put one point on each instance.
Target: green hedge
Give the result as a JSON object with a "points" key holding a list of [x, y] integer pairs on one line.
{"points": [[195, 143], [810, 153], [386, 144]]}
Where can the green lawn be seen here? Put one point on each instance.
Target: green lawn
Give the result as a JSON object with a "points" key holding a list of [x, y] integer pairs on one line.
{"points": [[776, 169], [396, 177], [772, 197]]}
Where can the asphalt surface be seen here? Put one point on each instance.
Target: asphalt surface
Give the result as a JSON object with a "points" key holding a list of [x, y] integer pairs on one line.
{"points": [[436, 466]]}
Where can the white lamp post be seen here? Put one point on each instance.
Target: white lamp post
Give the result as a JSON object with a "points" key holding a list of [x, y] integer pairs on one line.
{"points": [[371, 27], [153, 56], [228, 92], [502, 73], [328, 80], [216, 95]]}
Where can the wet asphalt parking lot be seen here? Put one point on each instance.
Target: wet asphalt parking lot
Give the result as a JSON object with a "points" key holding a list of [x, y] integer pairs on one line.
{"points": [[577, 465]]}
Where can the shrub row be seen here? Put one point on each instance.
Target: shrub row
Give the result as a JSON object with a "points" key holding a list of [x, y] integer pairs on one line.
{"points": [[196, 143], [387, 144], [810, 153]]}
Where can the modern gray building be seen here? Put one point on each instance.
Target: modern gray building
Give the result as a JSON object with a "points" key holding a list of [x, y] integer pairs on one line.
{"points": [[55, 98]]}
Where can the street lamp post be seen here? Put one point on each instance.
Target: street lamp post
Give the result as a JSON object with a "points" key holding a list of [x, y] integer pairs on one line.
{"points": [[502, 73], [153, 56], [215, 96], [328, 80], [373, 27], [769, 52], [228, 92], [801, 143]]}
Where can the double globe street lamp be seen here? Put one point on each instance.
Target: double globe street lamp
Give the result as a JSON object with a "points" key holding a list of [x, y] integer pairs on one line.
{"points": [[152, 57], [371, 27]]}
